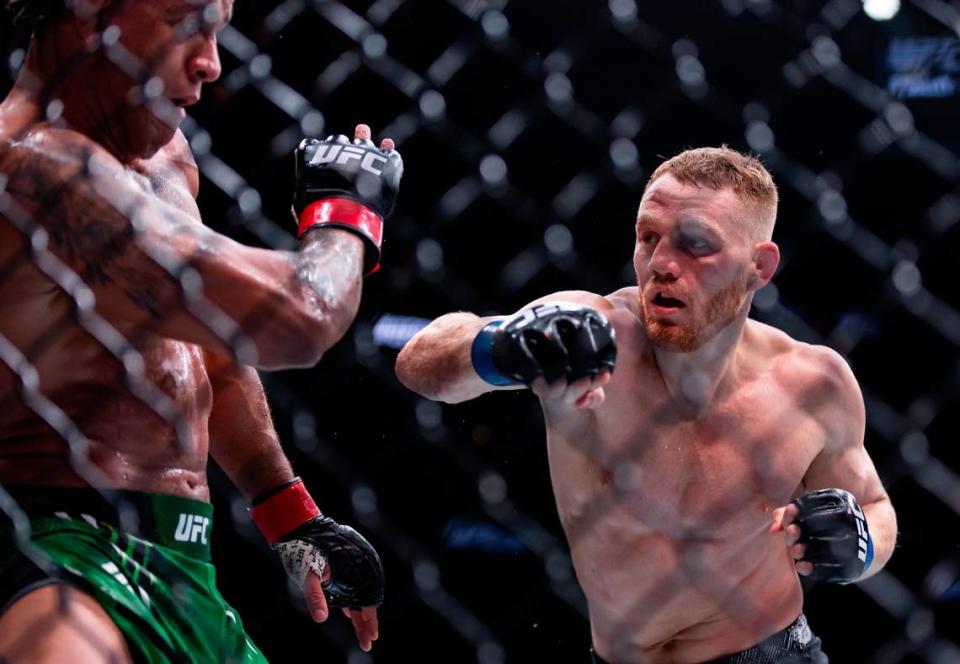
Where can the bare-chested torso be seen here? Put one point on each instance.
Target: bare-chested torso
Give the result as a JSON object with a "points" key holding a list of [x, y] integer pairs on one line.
{"points": [[131, 445], [667, 511]]}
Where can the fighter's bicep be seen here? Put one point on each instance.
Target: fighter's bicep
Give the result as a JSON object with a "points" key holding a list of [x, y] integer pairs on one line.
{"points": [[849, 468], [838, 406], [844, 461]]}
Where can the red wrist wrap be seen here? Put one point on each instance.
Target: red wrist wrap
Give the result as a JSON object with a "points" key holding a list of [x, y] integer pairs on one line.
{"points": [[343, 212], [283, 512]]}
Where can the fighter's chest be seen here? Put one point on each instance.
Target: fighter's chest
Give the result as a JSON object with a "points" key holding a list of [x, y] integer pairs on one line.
{"points": [[728, 467]]}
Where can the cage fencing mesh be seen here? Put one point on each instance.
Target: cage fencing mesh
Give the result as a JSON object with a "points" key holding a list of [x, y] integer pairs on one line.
{"points": [[528, 130]]}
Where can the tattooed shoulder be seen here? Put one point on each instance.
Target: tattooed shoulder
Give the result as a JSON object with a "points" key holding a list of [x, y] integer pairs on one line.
{"points": [[85, 201]]}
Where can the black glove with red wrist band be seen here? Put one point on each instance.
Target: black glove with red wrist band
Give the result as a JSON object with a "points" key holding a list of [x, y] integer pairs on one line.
{"points": [[306, 541], [347, 184]]}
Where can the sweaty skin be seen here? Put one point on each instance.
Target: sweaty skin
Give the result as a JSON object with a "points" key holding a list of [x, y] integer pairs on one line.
{"points": [[671, 474], [149, 433], [106, 192]]}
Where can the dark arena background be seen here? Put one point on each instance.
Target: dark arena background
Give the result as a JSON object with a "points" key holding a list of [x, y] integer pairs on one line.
{"points": [[528, 130]]}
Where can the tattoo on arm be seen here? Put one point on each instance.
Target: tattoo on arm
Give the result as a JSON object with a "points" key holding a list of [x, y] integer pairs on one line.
{"points": [[93, 235]]}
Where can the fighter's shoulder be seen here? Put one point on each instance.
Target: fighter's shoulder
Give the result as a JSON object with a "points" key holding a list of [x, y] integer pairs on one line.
{"points": [[626, 299], [44, 149], [818, 375]]}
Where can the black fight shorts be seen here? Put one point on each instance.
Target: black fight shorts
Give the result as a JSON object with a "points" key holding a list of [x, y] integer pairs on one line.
{"points": [[794, 644]]}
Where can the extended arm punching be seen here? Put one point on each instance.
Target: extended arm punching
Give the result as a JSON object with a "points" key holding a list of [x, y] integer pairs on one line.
{"points": [[553, 341]]}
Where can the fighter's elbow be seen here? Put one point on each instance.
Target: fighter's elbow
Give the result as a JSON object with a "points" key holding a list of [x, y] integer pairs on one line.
{"points": [[326, 326], [307, 329], [409, 372]]}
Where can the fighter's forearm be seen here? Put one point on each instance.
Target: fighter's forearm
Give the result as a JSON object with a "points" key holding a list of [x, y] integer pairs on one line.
{"points": [[243, 440], [437, 364], [882, 521]]}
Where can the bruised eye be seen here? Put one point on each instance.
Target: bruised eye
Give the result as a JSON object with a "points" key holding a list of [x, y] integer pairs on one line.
{"points": [[696, 245]]}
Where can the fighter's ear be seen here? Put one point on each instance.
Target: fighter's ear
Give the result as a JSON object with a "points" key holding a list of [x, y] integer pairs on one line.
{"points": [[766, 258]]}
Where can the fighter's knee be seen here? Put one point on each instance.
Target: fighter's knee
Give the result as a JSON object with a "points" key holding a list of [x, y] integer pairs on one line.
{"points": [[58, 623]]}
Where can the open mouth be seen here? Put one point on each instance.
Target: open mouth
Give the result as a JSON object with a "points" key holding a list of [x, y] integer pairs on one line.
{"points": [[661, 300]]}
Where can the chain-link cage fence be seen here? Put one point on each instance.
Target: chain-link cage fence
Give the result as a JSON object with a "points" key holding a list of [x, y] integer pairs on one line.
{"points": [[528, 131]]}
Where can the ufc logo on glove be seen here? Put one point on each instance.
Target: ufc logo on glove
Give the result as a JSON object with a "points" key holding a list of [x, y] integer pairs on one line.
{"points": [[342, 154]]}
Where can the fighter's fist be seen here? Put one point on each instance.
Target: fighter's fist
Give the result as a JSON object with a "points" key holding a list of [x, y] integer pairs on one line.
{"points": [[828, 536], [334, 565], [557, 340], [347, 184]]}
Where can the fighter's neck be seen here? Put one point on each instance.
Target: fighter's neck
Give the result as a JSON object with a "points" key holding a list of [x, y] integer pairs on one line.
{"points": [[698, 378], [58, 90]]}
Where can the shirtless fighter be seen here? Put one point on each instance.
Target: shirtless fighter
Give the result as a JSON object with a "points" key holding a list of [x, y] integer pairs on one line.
{"points": [[122, 320], [717, 462]]}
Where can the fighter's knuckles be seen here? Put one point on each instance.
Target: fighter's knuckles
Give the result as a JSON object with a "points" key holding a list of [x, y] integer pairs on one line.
{"points": [[793, 533], [591, 399]]}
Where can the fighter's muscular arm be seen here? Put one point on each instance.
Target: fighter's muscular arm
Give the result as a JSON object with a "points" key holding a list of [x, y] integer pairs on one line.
{"points": [[245, 445], [844, 462], [243, 440], [437, 362], [151, 267]]}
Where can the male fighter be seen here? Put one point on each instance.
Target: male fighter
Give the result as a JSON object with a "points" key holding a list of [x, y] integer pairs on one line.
{"points": [[122, 320], [720, 459]]}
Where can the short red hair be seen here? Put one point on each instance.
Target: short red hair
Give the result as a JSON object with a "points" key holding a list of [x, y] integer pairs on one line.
{"points": [[721, 168]]}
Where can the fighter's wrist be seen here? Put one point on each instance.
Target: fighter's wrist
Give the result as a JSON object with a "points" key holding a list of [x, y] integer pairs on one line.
{"points": [[281, 510], [481, 356], [349, 215], [869, 557]]}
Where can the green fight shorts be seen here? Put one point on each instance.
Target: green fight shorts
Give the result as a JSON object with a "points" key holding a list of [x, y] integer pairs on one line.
{"points": [[144, 557]]}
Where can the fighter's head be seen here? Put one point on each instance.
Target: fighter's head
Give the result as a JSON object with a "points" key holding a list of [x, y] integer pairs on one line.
{"points": [[703, 244], [125, 68]]}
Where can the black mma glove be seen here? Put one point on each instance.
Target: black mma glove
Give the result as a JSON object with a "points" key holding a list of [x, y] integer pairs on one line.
{"points": [[834, 530], [554, 340], [346, 184], [306, 540]]}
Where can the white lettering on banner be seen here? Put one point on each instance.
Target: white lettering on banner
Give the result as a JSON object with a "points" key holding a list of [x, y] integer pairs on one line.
{"points": [[192, 528]]}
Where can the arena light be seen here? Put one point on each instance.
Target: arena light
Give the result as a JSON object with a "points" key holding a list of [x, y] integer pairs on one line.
{"points": [[881, 10]]}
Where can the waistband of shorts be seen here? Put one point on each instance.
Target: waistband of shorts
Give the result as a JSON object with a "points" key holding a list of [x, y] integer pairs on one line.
{"points": [[791, 639], [182, 524]]}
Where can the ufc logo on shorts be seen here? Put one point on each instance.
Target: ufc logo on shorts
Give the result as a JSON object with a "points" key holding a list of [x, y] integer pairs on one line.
{"points": [[192, 528], [342, 154], [861, 533]]}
